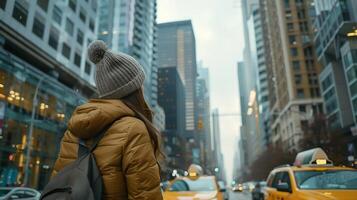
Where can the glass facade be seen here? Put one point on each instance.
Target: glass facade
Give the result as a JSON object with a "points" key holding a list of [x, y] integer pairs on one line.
{"points": [[349, 61], [56, 102]]}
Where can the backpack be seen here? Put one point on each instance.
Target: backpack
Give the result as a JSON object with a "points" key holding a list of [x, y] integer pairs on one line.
{"points": [[78, 180]]}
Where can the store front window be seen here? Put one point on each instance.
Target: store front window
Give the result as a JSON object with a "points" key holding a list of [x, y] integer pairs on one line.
{"points": [[56, 102]]}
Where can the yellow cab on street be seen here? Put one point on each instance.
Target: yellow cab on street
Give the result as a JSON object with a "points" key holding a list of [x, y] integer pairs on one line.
{"points": [[313, 177], [195, 186]]}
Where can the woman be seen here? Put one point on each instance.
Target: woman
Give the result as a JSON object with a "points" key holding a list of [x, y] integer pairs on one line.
{"points": [[126, 155]]}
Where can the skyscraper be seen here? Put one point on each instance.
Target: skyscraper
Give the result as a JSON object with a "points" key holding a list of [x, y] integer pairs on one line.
{"points": [[336, 50], [252, 133], [252, 143], [293, 64], [172, 100], [42, 48], [218, 168], [130, 27], [203, 116], [177, 48]]}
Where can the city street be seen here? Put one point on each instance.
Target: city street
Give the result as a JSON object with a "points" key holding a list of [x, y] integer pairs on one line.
{"points": [[240, 195]]}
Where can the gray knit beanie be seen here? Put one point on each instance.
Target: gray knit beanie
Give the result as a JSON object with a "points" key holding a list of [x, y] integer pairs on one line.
{"points": [[117, 74]]}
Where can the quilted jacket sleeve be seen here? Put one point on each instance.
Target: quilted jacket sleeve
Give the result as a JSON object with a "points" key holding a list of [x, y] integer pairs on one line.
{"points": [[68, 152], [140, 166]]}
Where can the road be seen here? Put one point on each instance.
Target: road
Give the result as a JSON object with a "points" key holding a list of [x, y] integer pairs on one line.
{"points": [[240, 195]]}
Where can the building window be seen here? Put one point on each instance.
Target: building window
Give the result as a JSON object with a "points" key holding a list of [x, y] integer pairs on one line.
{"points": [[54, 37], [296, 66], [303, 26], [88, 68], [298, 79], [309, 65], [69, 26], [353, 89], [77, 60], [327, 82], [292, 39], [288, 15], [57, 15], [38, 27], [330, 93], [72, 4], [91, 24], [294, 52], [80, 37], [287, 4], [302, 108], [301, 14], [355, 105], [43, 4], [290, 26], [300, 93], [20, 12], [315, 92], [82, 15], [308, 52], [3, 4], [352, 73], [66, 50]]}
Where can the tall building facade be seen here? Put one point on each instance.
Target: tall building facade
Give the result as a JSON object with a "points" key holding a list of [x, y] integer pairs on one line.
{"points": [[218, 169], [261, 73], [336, 49], [41, 49], [203, 117], [251, 139], [172, 100], [130, 27], [177, 48], [295, 69], [252, 131]]}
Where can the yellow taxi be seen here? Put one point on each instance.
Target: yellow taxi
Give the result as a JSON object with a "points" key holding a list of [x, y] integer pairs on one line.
{"points": [[195, 186], [313, 177]]}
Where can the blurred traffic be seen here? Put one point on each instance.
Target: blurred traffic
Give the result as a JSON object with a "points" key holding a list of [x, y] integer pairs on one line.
{"points": [[312, 176]]}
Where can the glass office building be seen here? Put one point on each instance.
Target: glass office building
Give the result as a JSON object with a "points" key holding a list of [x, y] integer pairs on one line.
{"points": [[56, 102], [42, 45]]}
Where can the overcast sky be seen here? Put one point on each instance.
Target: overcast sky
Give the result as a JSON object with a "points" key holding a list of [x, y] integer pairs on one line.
{"points": [[219, 44]]}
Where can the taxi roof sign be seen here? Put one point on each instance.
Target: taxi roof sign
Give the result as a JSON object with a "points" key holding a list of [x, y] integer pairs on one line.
{"points": [[315, 156], [195, 170]]}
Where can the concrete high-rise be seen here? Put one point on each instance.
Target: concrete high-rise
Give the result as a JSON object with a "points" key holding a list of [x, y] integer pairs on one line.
{"points": [[336, 48], [42, 45], [218, 169], [294, 68], [177, 48], [203, 117], [130, 27]]}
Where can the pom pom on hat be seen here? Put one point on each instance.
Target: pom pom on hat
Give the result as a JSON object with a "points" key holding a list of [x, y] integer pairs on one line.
{"points": [[96, 51]]}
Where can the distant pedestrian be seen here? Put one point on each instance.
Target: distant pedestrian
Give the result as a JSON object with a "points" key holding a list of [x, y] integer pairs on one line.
{"points": [[127, 154]]}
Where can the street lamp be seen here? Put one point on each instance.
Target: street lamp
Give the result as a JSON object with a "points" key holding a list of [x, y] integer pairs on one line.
{"points": [[30, 133]]}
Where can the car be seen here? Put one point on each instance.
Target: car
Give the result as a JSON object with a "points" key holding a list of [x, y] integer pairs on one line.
{"points": [[23, 193], [313, 176], [223, 190], [258, 191], [237, 188], [194, 186]]}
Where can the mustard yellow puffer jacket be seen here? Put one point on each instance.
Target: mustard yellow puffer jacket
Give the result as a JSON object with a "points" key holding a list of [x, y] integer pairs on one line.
{"points": [[125, 154]]}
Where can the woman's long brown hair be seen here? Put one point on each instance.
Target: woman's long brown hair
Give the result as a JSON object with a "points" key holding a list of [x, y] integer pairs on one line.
{"points": [[137, 103]]}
